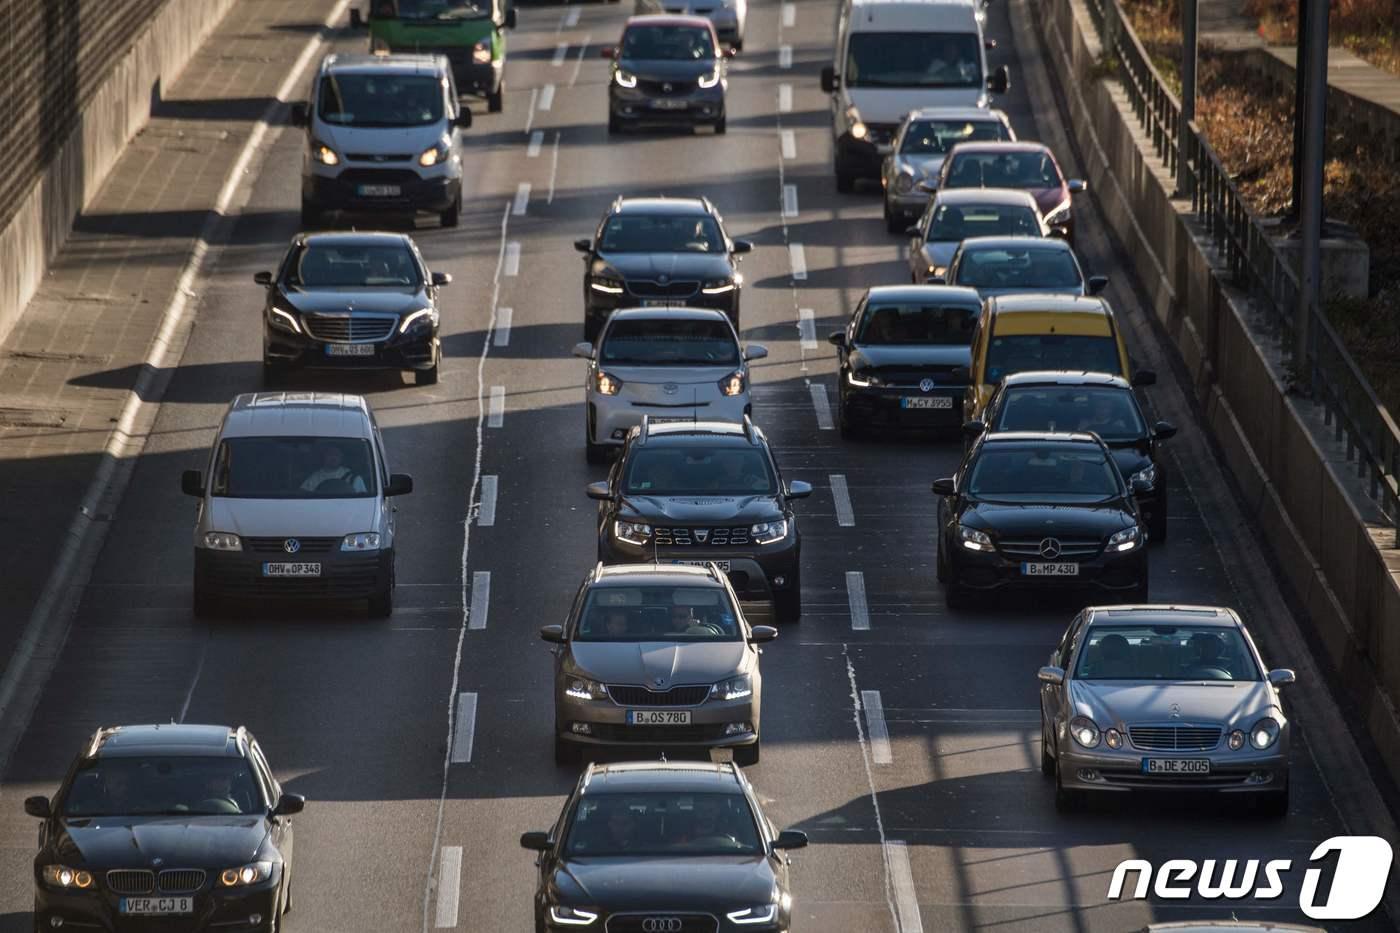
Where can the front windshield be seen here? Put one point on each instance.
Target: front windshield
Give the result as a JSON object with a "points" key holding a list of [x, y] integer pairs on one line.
{"points": [[163, 786], [1166, 652], [669, 342], [698, 471], [953, 223], [442, 10], [1033, 169], [936, 137], [381, 99], [662, 824], [1071, 473], [294, 468], [1022, 353], [1027, 267], [913, 59], [658, 613], [918, 324], [661, 233], [667, 44], [1111, 413], [336, 266]]}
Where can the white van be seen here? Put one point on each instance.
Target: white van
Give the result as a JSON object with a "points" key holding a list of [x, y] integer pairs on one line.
{"points": [[894, 56]]}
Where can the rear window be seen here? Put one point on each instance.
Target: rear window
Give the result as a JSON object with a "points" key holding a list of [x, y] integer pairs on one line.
{"points": [[1021, 353], [920, 324], [1002, 170], [1030, 267], [952, 222], [294, 468]]}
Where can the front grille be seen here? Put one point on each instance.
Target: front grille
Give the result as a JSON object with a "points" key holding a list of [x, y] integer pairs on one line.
{"points": [[621, 734], [350, 328], [131, 880], [278, 545], [942, 377], [379, 176], [637, 923], [181, 880], [735, 536], [677, 88], [626, 695], [379, 156], [646, 289], [1030, 548], [1174, 738]]}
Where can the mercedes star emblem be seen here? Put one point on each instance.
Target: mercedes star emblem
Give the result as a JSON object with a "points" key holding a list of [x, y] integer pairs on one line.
{"points": [[925, 385], [1175, 710], [291, 545], [1050, 548]]}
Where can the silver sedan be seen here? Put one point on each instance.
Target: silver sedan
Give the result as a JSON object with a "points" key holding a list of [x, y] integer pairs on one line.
{"points": [[1163, 698]]}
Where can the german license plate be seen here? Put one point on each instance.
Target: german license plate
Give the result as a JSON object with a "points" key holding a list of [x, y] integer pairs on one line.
{"points": [[154, 906], [349, 349], [658, 303], [927, 401], [379, 191], [658, 717], [723, 565], [665, 104], [1049, 569], [291, 570], [1176, 766]]}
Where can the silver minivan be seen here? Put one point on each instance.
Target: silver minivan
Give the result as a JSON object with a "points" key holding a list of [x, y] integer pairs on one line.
{"points": [[295, 504]]}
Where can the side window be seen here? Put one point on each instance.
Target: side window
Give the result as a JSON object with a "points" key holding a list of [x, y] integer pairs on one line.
{"points": [[856, 315]]}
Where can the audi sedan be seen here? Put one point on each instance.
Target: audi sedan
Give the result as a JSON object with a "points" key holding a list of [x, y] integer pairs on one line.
{"points": [[1167, 698]]}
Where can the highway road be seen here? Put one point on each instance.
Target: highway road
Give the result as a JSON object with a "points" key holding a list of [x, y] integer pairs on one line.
{"points": [[901, 736]]}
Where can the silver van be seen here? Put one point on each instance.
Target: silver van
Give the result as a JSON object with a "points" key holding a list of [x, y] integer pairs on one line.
{"points": [[295, 504]]}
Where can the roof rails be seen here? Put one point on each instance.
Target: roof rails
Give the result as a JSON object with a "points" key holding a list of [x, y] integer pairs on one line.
{"points": [[100, 736], [749, 430], [645, 427]]}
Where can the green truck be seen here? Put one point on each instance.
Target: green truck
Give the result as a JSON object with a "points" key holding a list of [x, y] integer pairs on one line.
{"points": [[471, 33]]}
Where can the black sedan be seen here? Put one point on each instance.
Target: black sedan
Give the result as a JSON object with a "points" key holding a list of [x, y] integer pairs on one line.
{"points": [[904, 358], [165, 827], [352, 301], [668, 70], [663, 846], [1038, 511]]}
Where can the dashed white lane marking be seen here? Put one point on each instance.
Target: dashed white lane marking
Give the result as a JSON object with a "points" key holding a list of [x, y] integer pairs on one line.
{"points": [[841, 495], [807, 328], [875, 726], [560, 50], [869, 778], [501, 336], [821, 406], [553, 167], [530, 110], [547, 97], [855, 596], [788, 141], [789, 15], [496, 408], [522, 199], [464, 731], [481, 600], [486, 509], [789, 200], [798, 257], [578, 62], [536, 141], [785, 98], [512, 263], [194, 681], [449, 890], [902, 877], [571, 18], [784, 56]]}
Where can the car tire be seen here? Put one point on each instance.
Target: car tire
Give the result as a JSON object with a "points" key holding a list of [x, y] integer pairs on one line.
{"points": [[381, 604], [427, 377], [720, 126], [746, 756], [787, 605], [940, 563], [453, 215], [1066, 801], [496, 100], [1274, 804], [1047, 763], [565, 753], [845, 182]]}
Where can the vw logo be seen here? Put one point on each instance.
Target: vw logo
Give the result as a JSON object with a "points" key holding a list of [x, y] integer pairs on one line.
{"points": [[925, 385], [291, 545], [670, 388], [661, 925], [668, 87], [1050, 548], [702, 535]]}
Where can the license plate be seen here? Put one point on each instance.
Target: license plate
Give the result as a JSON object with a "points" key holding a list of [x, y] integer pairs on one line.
{"points": [[723, 565], [669, 104], [291, 570], [927, 401], [658, 717], [157, 905], [1176, 766], [1048, 569], [349, 349], [378, 191], [659, 303]]}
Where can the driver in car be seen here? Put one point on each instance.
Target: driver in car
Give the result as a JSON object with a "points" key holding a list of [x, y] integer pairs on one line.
{"points": [[333, 472]]}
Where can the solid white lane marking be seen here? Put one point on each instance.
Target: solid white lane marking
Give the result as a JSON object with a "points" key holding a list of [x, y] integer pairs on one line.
{"points": [[512, 263], [807, 328], [496, 410], [501, 336], [547, 97], [869, 777], [578, 62], [194, 681], [789, 15], [788, 141], [798, 257], [841, 495], [449, 891], [553, 167], [875, 726], [522, 199], [486, 508], [560, 50], [785, 98], [784, 56], [821, 406], [906, 899], [789, 200], [530, 110], [464, 729], [536, 141], [481, 599], [855, 596], [571, 18]]}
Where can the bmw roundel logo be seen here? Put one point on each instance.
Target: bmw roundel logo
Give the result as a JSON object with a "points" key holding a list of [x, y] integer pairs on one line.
{"points": [[291, 545], [925, 385]]}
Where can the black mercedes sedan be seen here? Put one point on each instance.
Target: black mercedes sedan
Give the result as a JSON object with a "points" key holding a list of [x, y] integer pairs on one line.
{"points": [[668, 70], [679, 847], [660, 252], [1039, 511], [904, 358], [352, 301], [165, 827]]}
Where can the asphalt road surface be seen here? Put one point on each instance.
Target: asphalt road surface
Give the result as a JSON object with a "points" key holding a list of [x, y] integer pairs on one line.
{"points": [[907, 749]]}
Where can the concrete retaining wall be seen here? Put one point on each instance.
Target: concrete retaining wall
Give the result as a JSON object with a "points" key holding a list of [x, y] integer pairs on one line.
{"points": [[119, 107]]}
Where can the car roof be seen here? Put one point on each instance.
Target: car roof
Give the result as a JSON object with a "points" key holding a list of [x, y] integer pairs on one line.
{"points": [[667, 19], [169, 739], [1164, 615], [698, 434], [984, 146], [1007, 196], [1015, 242], [671, 776], [882, 293], [354, 238], [402, 63], [661, 205], [1042, 437], [668, 313], [297, 414], [1052, 377], [1041, 304], [971, 114], [644, 574]]}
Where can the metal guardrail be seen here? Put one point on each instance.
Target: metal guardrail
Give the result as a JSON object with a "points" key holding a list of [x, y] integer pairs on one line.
{"points": [[1349, 405]]}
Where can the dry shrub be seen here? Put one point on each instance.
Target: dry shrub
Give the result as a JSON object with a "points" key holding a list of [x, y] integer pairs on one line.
{"points": [[1369, 28]]}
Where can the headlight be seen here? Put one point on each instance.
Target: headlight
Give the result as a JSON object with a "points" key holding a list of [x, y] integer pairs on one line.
{"points": [[938, 272], [606, 286], [607, 383], [709, 80], [732, 384], [222, 541], [1236, 740], [717, 287], [1147, 476], [1125, 540], [1264, 733], [768, 532], [251, 873], [416, 319], [1084, 731], [1059, 215], [632, 532], [481, 52], [571, 916], [764, 914], [735, 688], [581, 688], [61, 876], [284, 319], [858, 130], [435, 153], [324, 154], [625, 79], [974, 540], [1113, 738], [903, 184], [361, 541], [862, 380]]}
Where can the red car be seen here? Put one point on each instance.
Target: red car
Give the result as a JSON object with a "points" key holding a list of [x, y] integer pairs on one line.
{"points": [[1024, 166]]}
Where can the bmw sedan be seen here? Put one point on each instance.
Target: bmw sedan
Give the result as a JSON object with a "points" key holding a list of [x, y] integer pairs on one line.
{"points": [[1168, 698], [1019, 265]]}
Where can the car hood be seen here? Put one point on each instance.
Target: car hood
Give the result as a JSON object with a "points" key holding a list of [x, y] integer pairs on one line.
{"points": [[923, 165], [662, 70], [939, 252], [1129, 457], [680, 374], [889, 105], [714, 883], [658, 665], [675, 266], [905, 358], [334, 300], [1047, 520], [308, 518], [708, 510], [381, 140], [1047, 199], [210, 842], [1119, 703]]}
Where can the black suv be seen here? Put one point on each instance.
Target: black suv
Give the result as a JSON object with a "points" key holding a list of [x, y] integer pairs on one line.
{"points": [[704, 492], [352, 301], [165, 827], [666, 846], [660, 252]]}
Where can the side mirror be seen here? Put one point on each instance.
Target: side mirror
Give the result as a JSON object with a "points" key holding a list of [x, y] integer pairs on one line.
{"points": [[743, 246], [1163, 430], [1077, 185], [755, 351], [262, 278], [299, 115], [1097, 283], [1059, 233], [790, 839], [464, 119], [1279, 677], [553, 634], [400, 484], [442, 278], [1144, 377], [829, 79], [1000, 81], [912, 231], [583, 350], [944, 487], [989, 44], [762, 634], [288, 804], [799, 489], [1055, 676], [837, 339], [357, 20], [192, 483], [973, 428], [534, 841], [598, 491], [37, 806], [583, 246], [510, 18], [607, 51]]}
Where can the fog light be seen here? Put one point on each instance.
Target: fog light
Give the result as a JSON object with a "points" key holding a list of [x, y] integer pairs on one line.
{"points": [[1088, 774], [1259, 777], [581, 728], [254, 920], [55, 921], [737, 728], [619, 434], [780, 581]]}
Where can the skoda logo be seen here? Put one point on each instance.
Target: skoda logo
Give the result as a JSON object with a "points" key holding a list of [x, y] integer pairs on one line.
{"points": [[668, 87], [1050, 548], [661, 925], [925, 385], [659, 681], [670, 388], [663, 279], [291, 545]]}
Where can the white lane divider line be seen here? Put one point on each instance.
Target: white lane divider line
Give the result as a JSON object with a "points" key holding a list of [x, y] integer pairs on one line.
{"points": [[501, 336], [464, 731], [788, 141], [855, 595], [875, 726], [449, 890], [496, 408], [512, 263], [785, 98], [821, 406], [798, 257], [571, 18], [481, 599], [530, 111], [789, 200], [789, 15], [486, 508], [547, 97], [553, 167], [560, 51], [578, 62], [841, 495], [522, 199], [807, 328], [536, 141], [784, 56], [902, 877]]}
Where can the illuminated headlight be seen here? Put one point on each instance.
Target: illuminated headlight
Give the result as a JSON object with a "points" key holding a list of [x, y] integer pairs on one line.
{"points": [[571, 916], [764, 914], [974, 540], [222, 541], [1236, 740], [1113, 738], [416, 319], [481, 52], [1147, 476], [581, 688], [1059, 215], [435, 153], [768, 532], [625, 78], [732, 384], [606, 286], [709, 80], [285, 320], [632, 532], [1084, 731], [245, 874], [717, 287], [903, 184], [607, 383], [858, 130], [61, 876], [862, 380], [735, 688], [361, 541], [1125, 540], [938, 272], [1264, 733], [324, 154]]}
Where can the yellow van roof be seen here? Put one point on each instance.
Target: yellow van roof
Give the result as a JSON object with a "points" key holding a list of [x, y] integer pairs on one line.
{"points": [[1050, 314]]}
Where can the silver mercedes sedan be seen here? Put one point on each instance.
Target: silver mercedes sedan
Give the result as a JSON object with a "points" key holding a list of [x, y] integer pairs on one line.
{"points": [[1163, 698]]}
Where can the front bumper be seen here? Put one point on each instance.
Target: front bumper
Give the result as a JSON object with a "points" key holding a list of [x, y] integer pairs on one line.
{"points": [[215, 911], [1110, 573], [418, 349], [638, 108], [610, 417], [240, 575], [713, 723], [344, 192], [1103, 770], [883, 407], [754, 572]]}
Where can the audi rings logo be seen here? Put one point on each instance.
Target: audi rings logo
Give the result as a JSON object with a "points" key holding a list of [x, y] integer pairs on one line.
{"points": [[661, 925], [1050, 548], [925, 385], [291, 545]]}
